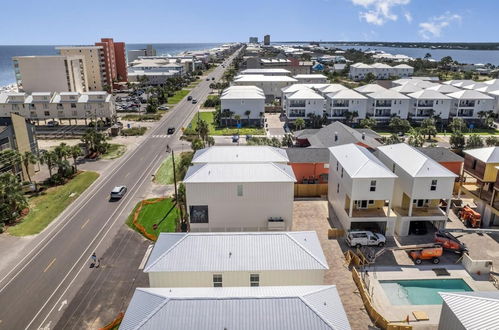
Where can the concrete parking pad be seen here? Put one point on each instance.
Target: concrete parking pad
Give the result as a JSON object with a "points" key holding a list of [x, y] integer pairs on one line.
{"points": [[313, 215]]}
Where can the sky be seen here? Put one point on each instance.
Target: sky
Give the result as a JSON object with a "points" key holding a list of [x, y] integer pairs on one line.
{"points": [[180, 21]]}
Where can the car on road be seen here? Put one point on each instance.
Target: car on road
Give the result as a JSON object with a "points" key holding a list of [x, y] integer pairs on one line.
{"points": [[189, 98], [418, 228], [194, 101], [363, 238], [207, 79], [170, 130], [163, 107], [235, 138], [118, 192], [52, 123], [212, 78]]}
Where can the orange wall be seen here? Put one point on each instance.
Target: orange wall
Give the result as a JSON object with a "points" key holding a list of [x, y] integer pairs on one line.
{"points": [[454, 167], [307, 170]]}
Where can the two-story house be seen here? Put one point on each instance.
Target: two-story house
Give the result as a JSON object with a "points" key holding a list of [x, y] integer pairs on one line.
{"points": [[421, 185], [429, 103], [468, 103], [304, 102], [345, 100], [248, 102], [361, 189], [385, 104]]}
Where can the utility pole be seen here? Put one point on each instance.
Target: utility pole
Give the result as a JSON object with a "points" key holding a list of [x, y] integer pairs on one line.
{"points": [[168, 149]]}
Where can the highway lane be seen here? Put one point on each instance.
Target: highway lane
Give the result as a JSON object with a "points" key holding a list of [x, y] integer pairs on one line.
{"points": [[36, 288]]}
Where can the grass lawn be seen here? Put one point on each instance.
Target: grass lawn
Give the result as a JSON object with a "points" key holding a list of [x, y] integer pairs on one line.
{"points": [[47, 206], [136, 117], [164, 175], [208, 117], [153, 213], [115, 151], [178, 96]]}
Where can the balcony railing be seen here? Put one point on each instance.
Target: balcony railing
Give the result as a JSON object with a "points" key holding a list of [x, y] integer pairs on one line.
{"points": [[383, 104], [297, 104], [425, 104]]}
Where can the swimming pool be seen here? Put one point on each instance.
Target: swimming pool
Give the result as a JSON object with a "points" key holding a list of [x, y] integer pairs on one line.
{"points": [[421, 292]]}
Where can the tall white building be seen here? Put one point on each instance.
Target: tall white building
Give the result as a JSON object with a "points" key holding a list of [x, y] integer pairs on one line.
{"points": [[302, 103], [241, 99], [384, 104], [50, 73]]}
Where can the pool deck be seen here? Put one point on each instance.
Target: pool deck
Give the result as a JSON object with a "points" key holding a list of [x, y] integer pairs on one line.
{"points": [[399, 312]]}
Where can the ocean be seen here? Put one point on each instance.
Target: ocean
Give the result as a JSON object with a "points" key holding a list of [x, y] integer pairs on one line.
{"points": [[7, 52]]}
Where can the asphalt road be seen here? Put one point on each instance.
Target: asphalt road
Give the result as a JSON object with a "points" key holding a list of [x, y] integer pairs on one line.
{"points": [[33, 292]]}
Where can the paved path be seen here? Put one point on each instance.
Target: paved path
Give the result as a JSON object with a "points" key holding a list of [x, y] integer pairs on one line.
{"points": [[312, 215], [55, 263]]}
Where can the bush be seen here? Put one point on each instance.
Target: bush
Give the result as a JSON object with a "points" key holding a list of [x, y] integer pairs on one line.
{"points": [[211, 102], [134, 131]]}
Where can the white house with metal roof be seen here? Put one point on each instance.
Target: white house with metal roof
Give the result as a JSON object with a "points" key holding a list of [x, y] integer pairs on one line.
{"points": [[469, 310], [387, 103], [406, 88], [361, 189], [241, 100], [359, 71], [428, 103], [420, 186], [240, 154], [444, 88], [370, 88], [403, 70], [229, 195], [270, 85], [236, 259], [242, 308], [268, 72], [468, 103], [311, 78], [344, 100], [302, 103]]}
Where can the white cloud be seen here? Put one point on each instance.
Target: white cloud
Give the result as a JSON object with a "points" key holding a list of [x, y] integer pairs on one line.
{"points": [[378, 12], [434, 26], [408, 17]]}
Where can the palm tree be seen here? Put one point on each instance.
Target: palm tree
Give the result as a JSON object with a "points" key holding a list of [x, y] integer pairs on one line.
{"points": [[49, 158], [203, 129], [247, 113], [10, 158], [210, 141], [28, 158], [416, 139], [75, 152], [62, 151], [11, 198], [299, 123]]}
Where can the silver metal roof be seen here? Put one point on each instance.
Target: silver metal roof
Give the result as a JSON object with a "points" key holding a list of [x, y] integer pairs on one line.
{"points": [[283, 307], [256, 251]]}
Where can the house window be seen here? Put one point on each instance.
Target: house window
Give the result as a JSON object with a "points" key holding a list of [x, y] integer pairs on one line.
{"points": [[371, 202], [199, 213], [73, 105], [46, 113], [342, 172], [337, 165], [239, 190], [373, 185], [254, 279], [433, 185], [338, 188], [473, 165], [393, 168], [217, 280], [420, 202]]}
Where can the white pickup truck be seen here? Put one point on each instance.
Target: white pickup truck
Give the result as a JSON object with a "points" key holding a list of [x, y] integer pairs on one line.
{"points": [[363, 238]]}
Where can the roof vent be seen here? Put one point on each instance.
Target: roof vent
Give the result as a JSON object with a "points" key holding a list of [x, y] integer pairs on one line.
{"points": [[363, 135], [335, 136], [230, 254]]}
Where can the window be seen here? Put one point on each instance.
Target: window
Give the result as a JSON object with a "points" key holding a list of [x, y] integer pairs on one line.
{"points": [[338, 188], [217, 280], [473, 165], [239, 190], [73, 105], [393, 168], [433, 185], [46, 113], [342, 172], [199, 213], [254, 279], [337, 165], [373, 185], [420, 202]]}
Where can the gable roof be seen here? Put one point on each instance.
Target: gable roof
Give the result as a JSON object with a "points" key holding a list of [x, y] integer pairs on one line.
{"points": [[470, 94], [239, 172], [310, 76], [486, 155], [370, 88], [308, 155], [326, 136], [441, 154], [248, 251], [305, 94], [245, 308], [240, 154], [259, 77], [358, 162], [446, 89], [388, 94], [429, 95], [242, 92], [349, 94], [332, 88], [406, 88], [414, 162], [475, 310]]}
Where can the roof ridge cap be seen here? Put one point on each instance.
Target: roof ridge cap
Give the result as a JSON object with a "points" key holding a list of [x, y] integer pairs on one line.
{"points": [[288, 234]]}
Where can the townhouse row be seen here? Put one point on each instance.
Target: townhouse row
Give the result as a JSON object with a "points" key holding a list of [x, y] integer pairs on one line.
{"points": [[359, 71], [64, 105]]}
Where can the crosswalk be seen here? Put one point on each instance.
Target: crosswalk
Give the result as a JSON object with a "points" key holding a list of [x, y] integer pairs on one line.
{"points": [[159, 136]]}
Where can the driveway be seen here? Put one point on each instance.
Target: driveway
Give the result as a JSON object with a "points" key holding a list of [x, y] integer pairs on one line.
{"points": [[275, 126], [313, 215]]}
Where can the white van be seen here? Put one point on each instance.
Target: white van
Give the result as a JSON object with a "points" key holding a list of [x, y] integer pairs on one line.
{"points": [[363, 238]]}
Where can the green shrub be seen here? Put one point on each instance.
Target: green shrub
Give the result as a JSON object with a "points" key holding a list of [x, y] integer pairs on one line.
{"points": [[134, 131]]}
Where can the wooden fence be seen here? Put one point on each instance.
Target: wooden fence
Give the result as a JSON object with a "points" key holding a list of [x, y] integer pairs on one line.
{"points": [[376, 317], [310, 190]]}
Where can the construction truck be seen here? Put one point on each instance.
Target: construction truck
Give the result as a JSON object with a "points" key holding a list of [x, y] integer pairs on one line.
{"points": [[469, 217], [417, 253]]}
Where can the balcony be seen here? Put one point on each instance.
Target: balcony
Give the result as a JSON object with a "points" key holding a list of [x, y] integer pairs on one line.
{"points": [[425, 104], [382, 113], [383, 104], [296, 113], [467, 104], [300, 104], [372, 212], [340, 104], [430, 211]]}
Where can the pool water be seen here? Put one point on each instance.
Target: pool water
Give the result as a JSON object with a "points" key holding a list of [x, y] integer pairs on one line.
{"points": [[421, 292]]}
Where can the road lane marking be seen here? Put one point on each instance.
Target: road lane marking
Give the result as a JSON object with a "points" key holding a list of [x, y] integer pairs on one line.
{"points": [[49, 265], [83, 226]]}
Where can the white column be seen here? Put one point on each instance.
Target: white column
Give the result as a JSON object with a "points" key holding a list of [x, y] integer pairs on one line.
{"points": [[447, 209], [389, 208], [350, 212], [410, 208]]}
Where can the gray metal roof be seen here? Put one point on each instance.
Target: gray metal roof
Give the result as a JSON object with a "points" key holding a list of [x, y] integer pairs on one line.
{"points": [[308, 155], [240, 154], [282, 307], [475, 310], [441, 154], [236, 252]]}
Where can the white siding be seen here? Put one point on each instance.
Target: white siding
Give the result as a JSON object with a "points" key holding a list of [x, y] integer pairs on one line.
{"points": [[240, 106]]}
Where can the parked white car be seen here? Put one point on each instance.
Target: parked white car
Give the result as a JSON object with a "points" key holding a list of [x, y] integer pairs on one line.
{"points": [[364, 238]]}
